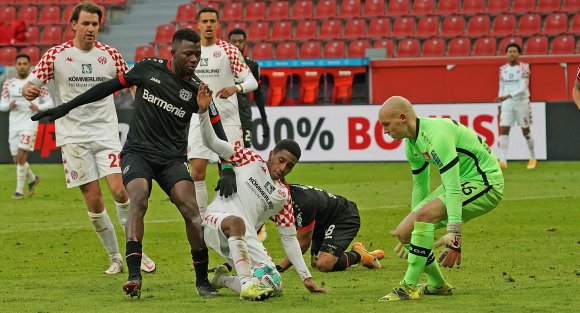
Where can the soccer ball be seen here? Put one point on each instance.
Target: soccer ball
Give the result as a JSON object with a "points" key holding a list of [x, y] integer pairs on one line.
{"points": [[268, 276]]}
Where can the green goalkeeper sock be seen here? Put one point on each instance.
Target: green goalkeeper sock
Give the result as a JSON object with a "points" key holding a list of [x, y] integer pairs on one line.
{"points": [[433, 271], [419, 250]]}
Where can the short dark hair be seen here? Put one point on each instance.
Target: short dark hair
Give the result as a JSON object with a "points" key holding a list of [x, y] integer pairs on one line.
{"points": [[86, 6], [290, 146], [208, 10], [237, 31], [185, 34], [513, 45], [22, 55]]}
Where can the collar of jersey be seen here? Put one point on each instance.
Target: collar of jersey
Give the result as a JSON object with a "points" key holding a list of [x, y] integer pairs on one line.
{"points": [[169, 68]]}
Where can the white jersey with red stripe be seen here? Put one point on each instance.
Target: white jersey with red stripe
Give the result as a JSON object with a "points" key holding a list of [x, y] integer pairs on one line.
{"points": [[222, 65], [514, 81], [74, 72], [19, 118]]}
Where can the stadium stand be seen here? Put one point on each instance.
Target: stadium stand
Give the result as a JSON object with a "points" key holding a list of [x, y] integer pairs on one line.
{"points": [[49, 15], [258, 31], [326, 9], [495, 7], [279, 10], [403, 27], [459, 47], [374, 8], [302, 9], [144, 52], [453, 26], [255, 11], [233, 11], [398, 8], [506, 41], [448, 7], [334, 49], [408, 48], [379, 27], [7, 14], [523, 6], [529, 24], [503, 25], [555, 24], [485, 46], [286, 50], [433, 47], [563, 44], [423, 7], [350, 8], [356, 48], [7, 55], [536, 45], [428, 26], [354, 28], [310, 50], [263, 51], [281, 30], [186, 13]]}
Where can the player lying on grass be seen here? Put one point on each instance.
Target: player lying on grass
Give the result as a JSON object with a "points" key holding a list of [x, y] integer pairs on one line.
{"points": [[230, 224], [471, 185]]}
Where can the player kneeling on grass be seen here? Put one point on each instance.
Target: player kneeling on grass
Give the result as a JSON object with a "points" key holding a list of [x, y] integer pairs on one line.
{"points": [[471, 185], [230, 224], [327, 224]]}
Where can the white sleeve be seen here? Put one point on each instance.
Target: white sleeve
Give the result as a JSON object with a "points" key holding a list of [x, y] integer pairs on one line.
{"points": [[5, 100], [248, 81], [223, 148], [45, 100], [501, 85], [293, 252]]}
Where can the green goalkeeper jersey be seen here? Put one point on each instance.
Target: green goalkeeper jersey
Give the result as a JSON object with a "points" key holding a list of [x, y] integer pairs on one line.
{"points": [[459, 153]]}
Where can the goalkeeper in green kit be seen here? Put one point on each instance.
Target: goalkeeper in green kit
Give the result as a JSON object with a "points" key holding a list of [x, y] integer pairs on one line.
{"points": [[471, 185]]}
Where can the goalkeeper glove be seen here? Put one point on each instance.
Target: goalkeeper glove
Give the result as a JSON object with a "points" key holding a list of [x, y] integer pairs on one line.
{"points": [[452, 241], [227, 182], [53, 114]]}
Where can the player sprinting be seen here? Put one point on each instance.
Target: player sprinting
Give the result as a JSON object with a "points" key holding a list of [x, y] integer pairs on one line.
{"points": [[223, 69], [471, 185], [514, 96], [230, 224], [22, 130], [327, 224], [165, 100], [88, 137]]}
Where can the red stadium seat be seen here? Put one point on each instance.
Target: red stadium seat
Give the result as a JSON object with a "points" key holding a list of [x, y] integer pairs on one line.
{"points": [[310, 50], [379, 27], [186, 13], [33, 52], [7, 14], [556, 24], [164, 33], [51, 35], [503, 25], [32, 34], [66, 15], [575, 25], [262, 51], [28, 14], [7, 55], [258, 31], [350, 8], [373, 8], [6, 2], [355, 28], [459, 47], [471, 7], [165, 52], [306, 30], [286, 50], [190, 25], [563, 44], [433, 48], [231, 25], [398, 8], [485, 46], [529, 24], [334, 50], [478, 25], [428, 26], [49, 15], [536, 45], [281, 30], [326, 9], [408, 48], [255, 11], [113, 3], [453, 26], [523, 6], [26, 2], [330, 29], [548, 6], [571, 6], [506, 41], [233, 11], [387, 44], [144, 52], [403, 27], [448, 7], [498, 6], [423, 7], [302, 9], [279, 10], [356, 48]]}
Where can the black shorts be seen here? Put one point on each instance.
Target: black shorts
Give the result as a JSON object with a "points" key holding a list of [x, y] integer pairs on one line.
{"points": [[335, 238], [167, 172]]}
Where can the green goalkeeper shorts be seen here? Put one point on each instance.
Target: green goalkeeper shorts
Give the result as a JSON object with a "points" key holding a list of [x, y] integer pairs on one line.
{"points": [[477, 198]]}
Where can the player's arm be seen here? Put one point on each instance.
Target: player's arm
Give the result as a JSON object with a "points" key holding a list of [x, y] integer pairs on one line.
{"points": [[245, 81], [500, 91], [223, 148], [45, 100], [420, 171], [42, 73], [5, 98], [576, 89], [304, 236]]}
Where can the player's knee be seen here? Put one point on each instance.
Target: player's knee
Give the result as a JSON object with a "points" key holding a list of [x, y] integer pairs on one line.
{"points": [[233, 226], [324, 265], [139, 201], [120, 194]]}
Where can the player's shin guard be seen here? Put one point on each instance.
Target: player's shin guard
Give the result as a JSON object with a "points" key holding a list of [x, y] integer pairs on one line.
{"points": [[504, 141], [530, 142], [106, 232], [419, 250], [201, 196], [20, 178], [434, 276], [200, 260], [29, 174], [345, 260], [133, 253], [240, 255], [123, 212]]}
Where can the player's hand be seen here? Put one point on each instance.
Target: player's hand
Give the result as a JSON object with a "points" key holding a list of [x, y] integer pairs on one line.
{"points": [[12, 105], [227, 182], [400, 251], [203, 98], [30, 92], [452, 241], [226, 92], [33, 107], [312, 287], [53, 114], [265, 128]]}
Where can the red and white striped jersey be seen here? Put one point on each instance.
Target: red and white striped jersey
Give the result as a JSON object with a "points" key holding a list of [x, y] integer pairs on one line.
{"points": [[514, 81], [19, 117]]}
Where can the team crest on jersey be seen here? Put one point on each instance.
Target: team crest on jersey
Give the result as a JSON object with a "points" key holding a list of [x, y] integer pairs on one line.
{"points": [[203, 62], [185, 95], [282, 193], [269, 187], [102, 60], [87, 69], [217, 54]]}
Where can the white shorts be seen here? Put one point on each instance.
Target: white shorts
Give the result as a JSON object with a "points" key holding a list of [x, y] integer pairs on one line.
{"points": [[215, 239], [515, 112], [86, 162], [196, 149], [21, 139]]}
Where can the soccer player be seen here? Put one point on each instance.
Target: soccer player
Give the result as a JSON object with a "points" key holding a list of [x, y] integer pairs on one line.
{"points": [[237, 37], [576, 89], [230, 224], [471, 185], [156, 147], [22, 130], [223, 69], [514, 96], [327, 224], [88, 137]]}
